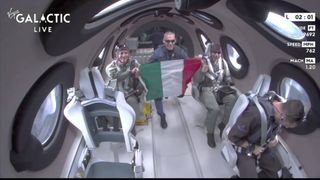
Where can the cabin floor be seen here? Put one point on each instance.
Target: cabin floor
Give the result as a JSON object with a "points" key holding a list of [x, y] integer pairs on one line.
{"points": [[180, 150]]}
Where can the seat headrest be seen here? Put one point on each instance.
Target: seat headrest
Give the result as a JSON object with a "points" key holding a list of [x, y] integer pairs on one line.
{"points": [[98, 82], [239, 106], [261, 85]]}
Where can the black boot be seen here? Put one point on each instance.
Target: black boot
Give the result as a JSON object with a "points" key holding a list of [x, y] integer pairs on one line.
{"points": [[163, 121], [181, 96], [211, 142], [221, 126]]}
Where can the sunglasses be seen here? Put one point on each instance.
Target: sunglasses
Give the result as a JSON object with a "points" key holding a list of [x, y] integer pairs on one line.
{"points": [[170, 41]]}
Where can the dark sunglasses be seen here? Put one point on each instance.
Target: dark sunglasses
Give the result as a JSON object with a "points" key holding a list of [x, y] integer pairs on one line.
{"points": [[170, 41]]}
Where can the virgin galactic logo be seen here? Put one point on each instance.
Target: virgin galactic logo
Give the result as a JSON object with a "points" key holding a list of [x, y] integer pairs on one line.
{"points": [[52, 18]]}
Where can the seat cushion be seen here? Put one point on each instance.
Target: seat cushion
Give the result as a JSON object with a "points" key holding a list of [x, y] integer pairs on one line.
{"points": [[110, 170]]}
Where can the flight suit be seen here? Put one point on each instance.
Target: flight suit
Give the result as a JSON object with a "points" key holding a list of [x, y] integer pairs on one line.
{"points": [[126, 83], [248, 128], [208, 97]]}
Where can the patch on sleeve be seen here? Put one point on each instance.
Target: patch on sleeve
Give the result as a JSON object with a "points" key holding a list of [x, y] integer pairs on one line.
{"points": [[242, 128]]}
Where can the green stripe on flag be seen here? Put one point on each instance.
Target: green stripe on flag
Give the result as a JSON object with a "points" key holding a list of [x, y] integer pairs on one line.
{"points": [[151, 76]]}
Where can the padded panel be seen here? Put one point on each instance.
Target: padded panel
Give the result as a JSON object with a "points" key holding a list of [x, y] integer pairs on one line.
{"points": [[127, 116], [98, 82], [85, 84], [240, 105], [262, 85], [74, 113]]}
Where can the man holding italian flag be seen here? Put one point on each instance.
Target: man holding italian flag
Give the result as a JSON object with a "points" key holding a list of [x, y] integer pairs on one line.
{"points": [[167, 74]]}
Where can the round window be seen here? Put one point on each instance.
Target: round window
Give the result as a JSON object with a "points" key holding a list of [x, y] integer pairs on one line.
{"points": [[237, 60], [291, 89], [47, 116], [233, 57], [283, 26], [39, 127]]}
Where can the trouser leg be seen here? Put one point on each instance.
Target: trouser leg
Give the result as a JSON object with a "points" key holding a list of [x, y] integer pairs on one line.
{"points": [[209, 101], [134, 103], [159, 105], [247, 166], [211, 120], [228, 102], [269, 164]]}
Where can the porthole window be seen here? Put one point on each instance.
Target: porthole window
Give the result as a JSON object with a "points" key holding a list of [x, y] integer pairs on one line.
{"points": [[291, 89], [203, 38], [204, 41], [283, 26], [39, 126], [208, 19], [99, 60], [111, 8], [233, 56], [101, 53], [237, 60], [47, 116]]}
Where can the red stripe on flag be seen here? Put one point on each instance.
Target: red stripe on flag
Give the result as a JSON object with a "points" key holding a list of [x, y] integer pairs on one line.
{"points": [[191, 66]]}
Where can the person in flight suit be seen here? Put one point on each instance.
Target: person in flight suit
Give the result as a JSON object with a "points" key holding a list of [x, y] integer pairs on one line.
{"points": [[165, 52], [246, 134], [126, 72], [209, 80]]}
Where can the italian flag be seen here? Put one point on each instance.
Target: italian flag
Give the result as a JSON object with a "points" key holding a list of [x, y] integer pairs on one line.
{"points": [[168, 78]]}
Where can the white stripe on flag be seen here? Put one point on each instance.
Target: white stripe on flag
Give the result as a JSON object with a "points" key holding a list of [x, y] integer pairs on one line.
{"points": [[171, 75]]}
